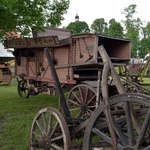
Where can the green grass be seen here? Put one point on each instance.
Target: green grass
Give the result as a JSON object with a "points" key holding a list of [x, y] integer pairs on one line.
{"points": [[17, 114]]}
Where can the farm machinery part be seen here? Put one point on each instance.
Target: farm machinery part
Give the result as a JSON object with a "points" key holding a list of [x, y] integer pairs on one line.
{"points": [[130, 116], [121, 122], [132, 83]]}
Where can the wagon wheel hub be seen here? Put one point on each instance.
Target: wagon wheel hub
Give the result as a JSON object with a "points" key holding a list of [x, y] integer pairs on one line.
{"points": [[83, 107], [42, 143]]}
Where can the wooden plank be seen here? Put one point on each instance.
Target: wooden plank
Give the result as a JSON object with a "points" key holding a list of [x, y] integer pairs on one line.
{"points": [[61, 33], [95, 55], [0, 75], [32, 42]]}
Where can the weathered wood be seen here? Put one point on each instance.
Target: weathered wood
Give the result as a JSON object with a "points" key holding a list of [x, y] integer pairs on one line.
{"points": [[32, 42], [5, 74], [104, 84], [61, 33], [70, 55]]}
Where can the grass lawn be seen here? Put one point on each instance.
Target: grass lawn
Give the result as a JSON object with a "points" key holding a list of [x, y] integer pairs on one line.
{"points": [[17, 114]]}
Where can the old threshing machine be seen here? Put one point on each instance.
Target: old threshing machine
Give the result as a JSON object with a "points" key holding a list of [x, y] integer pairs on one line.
{"points": [[100, 110], [76, 60]]}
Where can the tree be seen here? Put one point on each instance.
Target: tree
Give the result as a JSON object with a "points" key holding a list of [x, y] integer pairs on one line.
{"points": [[132, 28], [115, 29], [133, 35], [145, 42], [146, 30], [23, 15], [99, 26], [145, 46], [78, 27]]}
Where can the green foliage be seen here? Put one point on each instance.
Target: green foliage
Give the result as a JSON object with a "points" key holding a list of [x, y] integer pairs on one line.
{"points": [[78, 27], [24, 15], [99, 26], [115, 29], [133, 35], [145, 46], [132, 28], [145, 41], [147, 30], [129, 12]]}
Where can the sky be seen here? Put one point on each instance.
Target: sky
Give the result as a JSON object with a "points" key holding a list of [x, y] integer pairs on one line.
{"points": [[89, 10]]}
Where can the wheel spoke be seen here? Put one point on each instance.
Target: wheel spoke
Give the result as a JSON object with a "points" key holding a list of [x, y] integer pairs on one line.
{"points": [[89, 110], [49, 124], [104, 137], [144, 129], [73, 102], [79, 114], [74, 109], [37, 134], [76, 97], [86, 95], [81, 95], [54, 129], [91, 106], [40, 127], [57, 138], [120, 134], [92, 98], [129, 123], [44, 121], [56, 146]]}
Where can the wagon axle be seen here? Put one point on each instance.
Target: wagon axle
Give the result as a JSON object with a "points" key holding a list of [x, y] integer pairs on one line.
{"points": [[44, 143]]}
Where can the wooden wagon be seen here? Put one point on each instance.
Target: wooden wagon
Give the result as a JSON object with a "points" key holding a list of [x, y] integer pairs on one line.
{"points": [[98, 111]]}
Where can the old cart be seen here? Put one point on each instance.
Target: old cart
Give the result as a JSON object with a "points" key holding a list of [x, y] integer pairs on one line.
{"points": [[98, 106], [5, 72]]}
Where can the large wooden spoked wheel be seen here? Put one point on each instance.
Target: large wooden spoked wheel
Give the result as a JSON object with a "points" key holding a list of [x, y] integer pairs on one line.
{"points": [[49, 131], [131, 122], [23, 88], [81, 101]]}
